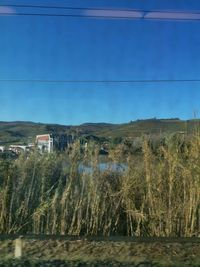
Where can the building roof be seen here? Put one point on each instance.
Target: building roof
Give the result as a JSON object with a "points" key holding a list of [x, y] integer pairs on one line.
{"points": [[45, 137]]}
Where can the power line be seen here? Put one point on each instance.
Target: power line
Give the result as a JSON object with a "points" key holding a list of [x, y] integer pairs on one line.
{"points": [[94, 16], [98, 9], [105, 13], [53, 15], [71, 8], [100, 81]]}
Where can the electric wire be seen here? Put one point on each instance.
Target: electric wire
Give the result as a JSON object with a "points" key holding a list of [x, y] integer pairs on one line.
{"points": [[100, 81], [106, 13]]}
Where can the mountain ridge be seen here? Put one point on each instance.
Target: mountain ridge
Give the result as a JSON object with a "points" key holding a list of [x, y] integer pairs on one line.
{"points": [[21, 131]]}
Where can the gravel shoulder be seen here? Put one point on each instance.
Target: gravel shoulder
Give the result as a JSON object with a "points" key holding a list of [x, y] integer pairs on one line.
{"points": [[122, 253]]}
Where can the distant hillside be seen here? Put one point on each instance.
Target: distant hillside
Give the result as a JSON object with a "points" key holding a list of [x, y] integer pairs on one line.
{"points": [[139, 127], [15, 132], [23, 132]]}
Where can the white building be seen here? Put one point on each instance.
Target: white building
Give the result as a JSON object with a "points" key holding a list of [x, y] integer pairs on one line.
{"points": [[44, 143], [17, 148], [2, 148]]}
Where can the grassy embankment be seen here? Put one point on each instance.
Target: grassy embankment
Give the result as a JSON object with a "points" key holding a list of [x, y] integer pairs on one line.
{"points": [[98, 254]]}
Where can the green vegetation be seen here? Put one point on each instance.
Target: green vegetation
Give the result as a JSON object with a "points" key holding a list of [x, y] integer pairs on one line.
{"points": [[23, 132], [157, 195]]}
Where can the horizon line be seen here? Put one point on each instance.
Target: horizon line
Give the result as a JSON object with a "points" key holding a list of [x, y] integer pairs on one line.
{"points": [[101, 122]]}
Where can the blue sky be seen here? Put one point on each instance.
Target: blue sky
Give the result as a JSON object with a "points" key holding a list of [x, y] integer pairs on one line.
{"points": [[66, 48]]}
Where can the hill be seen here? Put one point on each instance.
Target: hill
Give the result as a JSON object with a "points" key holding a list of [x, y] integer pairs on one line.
{"points": [[139, 127], [23, 132], [19, 131]]}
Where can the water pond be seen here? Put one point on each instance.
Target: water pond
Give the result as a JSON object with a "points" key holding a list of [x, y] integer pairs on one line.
{"points": [[104, 166]]}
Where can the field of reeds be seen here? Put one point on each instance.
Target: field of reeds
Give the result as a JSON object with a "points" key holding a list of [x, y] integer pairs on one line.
{"points": [[158, 194]]}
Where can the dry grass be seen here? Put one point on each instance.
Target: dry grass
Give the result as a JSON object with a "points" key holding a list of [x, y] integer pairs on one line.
{"points": [[158, 195]]}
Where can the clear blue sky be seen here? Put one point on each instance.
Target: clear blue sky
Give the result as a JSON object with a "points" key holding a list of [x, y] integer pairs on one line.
{"points": [[66, 48]]}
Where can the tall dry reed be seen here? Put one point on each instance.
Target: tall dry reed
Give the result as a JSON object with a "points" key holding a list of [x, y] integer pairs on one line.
{"points": [[158, 194]]}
